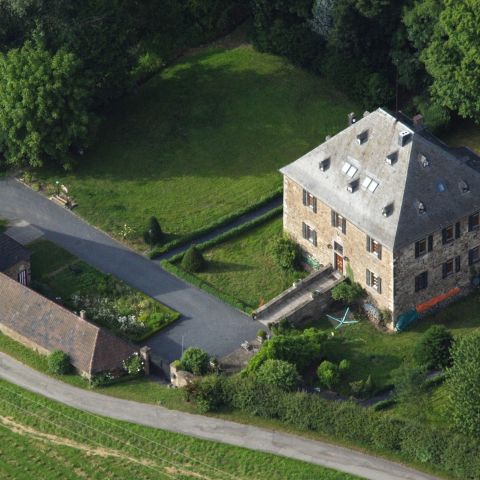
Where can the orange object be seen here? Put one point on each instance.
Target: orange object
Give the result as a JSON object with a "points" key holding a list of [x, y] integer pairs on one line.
{"points": [[423, 307]]}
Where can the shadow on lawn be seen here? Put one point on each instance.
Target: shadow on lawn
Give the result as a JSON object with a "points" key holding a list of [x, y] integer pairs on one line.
{"points": [[215, 266], [204, 118]]}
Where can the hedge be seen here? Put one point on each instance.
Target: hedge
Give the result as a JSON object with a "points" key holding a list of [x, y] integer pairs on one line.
{"points": [[170, 264], [221, 222], [439, 448]]}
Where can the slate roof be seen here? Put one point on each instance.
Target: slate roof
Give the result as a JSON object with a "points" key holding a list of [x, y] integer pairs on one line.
{"points": [[92, 349], [402, 186], [11, 252]]}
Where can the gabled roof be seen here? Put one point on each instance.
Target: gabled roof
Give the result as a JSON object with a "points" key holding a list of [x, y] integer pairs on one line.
{"points": [[92, 349], [11, 252], [423, 172]]}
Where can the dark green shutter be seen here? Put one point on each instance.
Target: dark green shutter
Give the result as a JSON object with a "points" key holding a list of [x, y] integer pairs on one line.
{"points": [[379, 285], [369, 244], [368, 279], [314, 205], [457, 230], [304, 197], [344, 226], [334, 218], [379, 251]]}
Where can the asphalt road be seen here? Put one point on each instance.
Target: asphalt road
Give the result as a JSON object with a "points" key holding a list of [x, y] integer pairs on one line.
{"points": [[320, 453], [206, 322]]}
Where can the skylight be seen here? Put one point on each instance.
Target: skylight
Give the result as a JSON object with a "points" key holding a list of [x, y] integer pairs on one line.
{"points": [[349, 170], [369, 184]]}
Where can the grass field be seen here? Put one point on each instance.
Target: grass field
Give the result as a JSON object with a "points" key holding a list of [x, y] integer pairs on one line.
{"points": [[201, 140], [59, 275], [244, 268], [43, 439]]}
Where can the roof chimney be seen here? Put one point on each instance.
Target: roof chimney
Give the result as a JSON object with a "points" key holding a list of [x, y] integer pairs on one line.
{"points": [[418, 119], [83, 314], [351, 118]]}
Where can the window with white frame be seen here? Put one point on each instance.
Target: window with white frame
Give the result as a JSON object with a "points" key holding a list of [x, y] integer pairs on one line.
{"points": [[374, 281]]}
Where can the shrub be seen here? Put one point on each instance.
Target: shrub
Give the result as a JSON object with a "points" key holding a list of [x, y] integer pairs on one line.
{"points": [[347, 292], [153, 235], [193, 260], [279, 373], [463, 379], [362, 388], [134, 364], [344, 366], [59, 363], [209, 393], [195, 360], [433, 348], [285, 252], [328, 374], [301, 349]]}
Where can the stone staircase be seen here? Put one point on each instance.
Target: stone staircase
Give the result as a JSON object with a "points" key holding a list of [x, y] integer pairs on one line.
{"points": [[305, 299]]}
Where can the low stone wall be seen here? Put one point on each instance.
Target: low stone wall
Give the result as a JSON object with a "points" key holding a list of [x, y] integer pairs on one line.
{"points": [[284, 298], [316, 306], [307, 298]]}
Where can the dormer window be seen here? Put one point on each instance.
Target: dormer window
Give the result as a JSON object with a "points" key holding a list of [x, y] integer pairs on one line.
{"points": [[352, 186], [387, 210], [391, 158], [349, 170], [369, 184], [362, 137], [324, 164], [423, 160], [421, 208], [463, 186]]}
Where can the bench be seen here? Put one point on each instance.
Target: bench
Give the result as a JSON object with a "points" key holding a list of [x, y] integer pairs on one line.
{"points": [[59, 200]]}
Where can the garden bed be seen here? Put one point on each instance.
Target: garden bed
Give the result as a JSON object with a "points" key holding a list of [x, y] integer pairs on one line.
{"points": [[107, 301]]}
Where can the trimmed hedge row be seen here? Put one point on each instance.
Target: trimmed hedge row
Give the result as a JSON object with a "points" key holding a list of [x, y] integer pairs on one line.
{"points": [[221, 222], [438, 448], [170, 264]]}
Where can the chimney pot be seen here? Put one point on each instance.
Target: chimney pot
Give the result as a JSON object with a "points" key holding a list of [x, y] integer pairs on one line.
{"points": [[83, 314], [418, 119]]}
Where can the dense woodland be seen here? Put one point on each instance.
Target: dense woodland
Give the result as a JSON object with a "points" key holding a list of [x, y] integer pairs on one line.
{"points": [[62, 62]]}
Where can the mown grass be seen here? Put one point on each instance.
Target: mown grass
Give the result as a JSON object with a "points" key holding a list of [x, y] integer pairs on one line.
{"points": [[379, 354], [59, 275], [44, 439], [200, 141], [244, 268]]}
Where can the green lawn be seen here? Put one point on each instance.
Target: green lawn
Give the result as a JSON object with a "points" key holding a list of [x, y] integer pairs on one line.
{"points": [[201, 140], [244, 268], [44, 439], [376, 353], [58, 274]]}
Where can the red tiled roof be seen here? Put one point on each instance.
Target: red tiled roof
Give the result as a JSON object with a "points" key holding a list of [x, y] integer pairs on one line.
{"points": [[92, 349]]}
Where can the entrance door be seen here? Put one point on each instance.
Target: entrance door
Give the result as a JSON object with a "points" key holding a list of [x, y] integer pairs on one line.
{"points": [[338, 263]]}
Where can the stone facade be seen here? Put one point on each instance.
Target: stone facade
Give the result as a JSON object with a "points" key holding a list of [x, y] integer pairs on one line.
{"points": [[355, 255], [397, 271], [15, 271], [407, 267]]}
